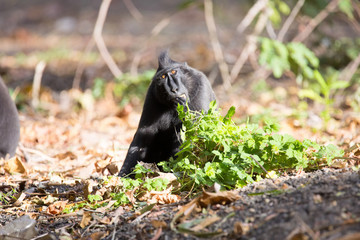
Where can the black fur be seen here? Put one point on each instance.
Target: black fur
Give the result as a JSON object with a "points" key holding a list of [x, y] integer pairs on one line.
{"points": [[9, 123], [157, 137]]}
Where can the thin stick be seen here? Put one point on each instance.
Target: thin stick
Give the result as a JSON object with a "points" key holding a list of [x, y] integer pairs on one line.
{"points": [[349, 71], [154, 32], [250, 46], [316, 21], [39, 70], [270, 30], [133, 10], [81, 65], [251, 14], [97, 34], [219, 56], [262, 168], [290, 20]]}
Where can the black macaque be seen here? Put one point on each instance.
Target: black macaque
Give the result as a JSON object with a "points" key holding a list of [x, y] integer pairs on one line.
{"points": [[9, 123], [157, 137]]}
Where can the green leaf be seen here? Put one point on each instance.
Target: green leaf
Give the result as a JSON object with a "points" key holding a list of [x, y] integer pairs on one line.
{"points": [[339, 84], [284, 8], [319, 78], [229, 115], [346, 7], [309, 93]]}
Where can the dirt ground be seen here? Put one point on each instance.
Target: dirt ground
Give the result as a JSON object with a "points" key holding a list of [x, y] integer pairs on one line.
{"points": [[318, 205]]}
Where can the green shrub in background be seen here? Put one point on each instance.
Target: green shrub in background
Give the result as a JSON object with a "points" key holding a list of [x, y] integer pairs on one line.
{"points": [[300, 60], [129, 87], [215, 150]]}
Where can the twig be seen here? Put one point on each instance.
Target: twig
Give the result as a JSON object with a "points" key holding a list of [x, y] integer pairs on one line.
{"points": [[262, 168], [302, 228], [270, 30], [316, 21], [290, 20], [251, 14], [349, 71], [114, 232], [348, 158], [39, 70], [81, 65], [154, 32], [100, 41], [219, 56], [250, 46], [133, 10]]}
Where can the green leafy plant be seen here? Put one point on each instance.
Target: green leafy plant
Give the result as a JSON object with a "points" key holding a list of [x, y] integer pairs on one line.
{"points": [[156, 184], [323, 90], [300, 60], [215, 150], [142, 182], [5, 198], [280, 57], [98, 89], [129, 88], [278, 7], [94, 198]]}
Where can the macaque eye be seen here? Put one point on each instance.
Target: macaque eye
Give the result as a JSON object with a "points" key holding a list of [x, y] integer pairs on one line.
{"points": [[163, 76], [173, 72]]}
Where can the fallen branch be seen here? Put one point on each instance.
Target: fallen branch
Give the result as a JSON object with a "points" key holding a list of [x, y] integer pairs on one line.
{"points": [[316, 21], [97, 34], [219, 56]]}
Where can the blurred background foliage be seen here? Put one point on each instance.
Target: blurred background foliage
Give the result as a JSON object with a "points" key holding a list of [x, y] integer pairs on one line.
{"points": [[309, 49]]}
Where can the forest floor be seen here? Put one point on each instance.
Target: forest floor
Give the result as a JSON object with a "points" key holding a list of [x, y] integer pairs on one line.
{"points": [[70, 142], [64, 155]]}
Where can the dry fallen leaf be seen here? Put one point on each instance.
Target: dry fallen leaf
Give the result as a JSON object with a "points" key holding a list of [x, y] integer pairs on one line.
{"points": [[14, 165], [206, 222], [66, 155], [57, 207], [203, 201], [163, 198], [85, 219], [158, 224], [95, 236], [238, 229], [223, 198]]}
